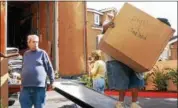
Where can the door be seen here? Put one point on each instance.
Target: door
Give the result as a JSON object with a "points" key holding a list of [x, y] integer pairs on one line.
{"points": [[3, 61], [72, 38]]}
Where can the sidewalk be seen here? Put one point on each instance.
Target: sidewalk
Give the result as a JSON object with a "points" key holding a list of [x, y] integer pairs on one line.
{"points": [[55, 100]]}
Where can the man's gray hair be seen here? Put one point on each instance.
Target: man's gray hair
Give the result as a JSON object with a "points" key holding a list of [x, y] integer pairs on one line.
{"points": [[32, 37]]}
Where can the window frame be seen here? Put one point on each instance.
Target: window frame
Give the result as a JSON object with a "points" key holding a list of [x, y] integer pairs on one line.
{"points": [[96, 19]]}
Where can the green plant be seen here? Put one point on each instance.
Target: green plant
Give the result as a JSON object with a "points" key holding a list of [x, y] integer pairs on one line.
{"points": [[87, 81], [160, 79], [173, 75], [57, 75]]}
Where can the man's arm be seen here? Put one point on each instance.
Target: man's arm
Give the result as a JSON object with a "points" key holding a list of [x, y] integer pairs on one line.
{"points": [[109, 24], [49, 68]]}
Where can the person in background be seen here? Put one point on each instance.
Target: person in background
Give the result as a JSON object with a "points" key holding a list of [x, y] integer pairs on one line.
{"points": [[120, 76], [35, 69], [97, 71]]}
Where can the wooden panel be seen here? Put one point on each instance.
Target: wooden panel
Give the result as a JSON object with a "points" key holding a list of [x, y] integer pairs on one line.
{"points": [[71, 38], [34, 10], [43, 14], [44, 43], [43, 40], [34, 7], [3, 62], [4, 82], [34, 20], [2, 27], [51, 21]]}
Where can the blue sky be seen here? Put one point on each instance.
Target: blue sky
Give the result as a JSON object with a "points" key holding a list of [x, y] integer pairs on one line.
{"points": [[156, 9]]}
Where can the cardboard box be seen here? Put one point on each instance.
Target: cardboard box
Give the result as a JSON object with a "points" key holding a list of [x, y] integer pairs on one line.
{"points": [[137, 40]]}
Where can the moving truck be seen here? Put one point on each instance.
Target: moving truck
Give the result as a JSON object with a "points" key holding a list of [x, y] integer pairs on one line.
{"points": [[61, 30]]}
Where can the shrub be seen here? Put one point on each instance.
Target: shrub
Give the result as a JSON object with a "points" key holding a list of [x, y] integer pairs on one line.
{"points": [[173, 75], [160, 79], [87, 81]]}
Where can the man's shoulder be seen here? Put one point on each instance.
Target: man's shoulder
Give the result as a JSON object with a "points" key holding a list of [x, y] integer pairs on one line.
{"points": [[42, 51], [26, 52], [39, 50]]}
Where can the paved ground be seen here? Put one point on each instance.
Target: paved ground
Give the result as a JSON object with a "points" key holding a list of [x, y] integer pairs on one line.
{"points": [[55, 100]]}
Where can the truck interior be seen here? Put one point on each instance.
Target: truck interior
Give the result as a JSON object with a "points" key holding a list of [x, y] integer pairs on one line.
{"points": [[19, 24]]}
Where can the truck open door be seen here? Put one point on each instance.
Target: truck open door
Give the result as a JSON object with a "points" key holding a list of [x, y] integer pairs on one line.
{"points": [[72, 38], [3, 60]]}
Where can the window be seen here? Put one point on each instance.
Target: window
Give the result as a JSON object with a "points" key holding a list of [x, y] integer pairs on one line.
{"points": [[96, 19]]}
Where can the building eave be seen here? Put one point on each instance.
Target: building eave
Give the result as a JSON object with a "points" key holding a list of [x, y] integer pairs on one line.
{"points": [[94, 11], [173, 40], [108, 9]]}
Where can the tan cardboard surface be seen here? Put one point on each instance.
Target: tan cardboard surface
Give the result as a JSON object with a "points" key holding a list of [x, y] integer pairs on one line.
{"points": [[138, 37]]}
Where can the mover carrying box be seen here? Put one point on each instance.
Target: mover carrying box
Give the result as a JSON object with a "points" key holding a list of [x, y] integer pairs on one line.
{"points": [[137, 40]]}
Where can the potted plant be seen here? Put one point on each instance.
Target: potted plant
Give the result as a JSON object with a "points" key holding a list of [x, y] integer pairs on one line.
{"points": [[160, 79], [173, 80]]}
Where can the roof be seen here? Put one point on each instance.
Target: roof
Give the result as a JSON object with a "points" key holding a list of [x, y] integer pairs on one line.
{"points": [[94, 11], [173, 39], [102, 10], [108, 9]]}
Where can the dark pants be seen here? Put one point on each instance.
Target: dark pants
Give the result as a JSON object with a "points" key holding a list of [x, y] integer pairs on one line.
{"points": [[121, 77]]}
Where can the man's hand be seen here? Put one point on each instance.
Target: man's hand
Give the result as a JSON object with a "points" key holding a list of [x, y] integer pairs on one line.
{"points": [[112, 25], [108, 25], [114, 16], [50, 87]]}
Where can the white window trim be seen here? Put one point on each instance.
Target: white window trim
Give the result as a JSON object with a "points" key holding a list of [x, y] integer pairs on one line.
{"points": [[97, 28], [96, 16]]}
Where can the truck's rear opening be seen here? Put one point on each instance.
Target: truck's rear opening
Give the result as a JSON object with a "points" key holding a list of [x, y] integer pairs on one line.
{"points": [[19, 24]]}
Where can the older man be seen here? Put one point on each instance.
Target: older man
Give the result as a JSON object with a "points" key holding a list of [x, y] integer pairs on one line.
{"points": [[36, 68]]}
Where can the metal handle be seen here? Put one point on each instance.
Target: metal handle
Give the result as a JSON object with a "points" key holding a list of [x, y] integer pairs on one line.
{"points": [[9, 55]]}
